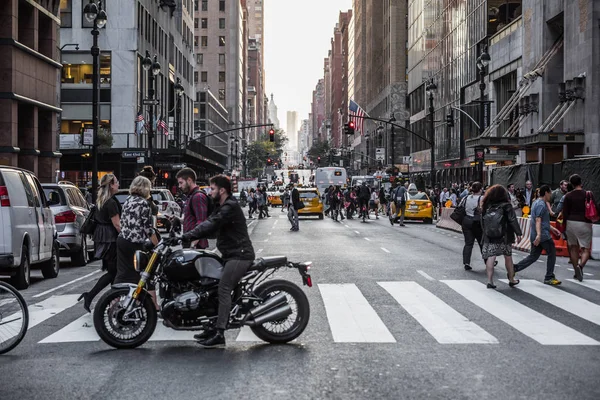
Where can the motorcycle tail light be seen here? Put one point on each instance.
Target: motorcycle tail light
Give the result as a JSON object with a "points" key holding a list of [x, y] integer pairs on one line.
{"points": [[309, 281]]}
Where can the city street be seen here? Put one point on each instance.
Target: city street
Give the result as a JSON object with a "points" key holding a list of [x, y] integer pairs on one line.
{"points": [[393, 315]]}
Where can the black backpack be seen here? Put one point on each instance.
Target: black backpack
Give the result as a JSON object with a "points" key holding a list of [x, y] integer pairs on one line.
{"points": [[493, 222]]}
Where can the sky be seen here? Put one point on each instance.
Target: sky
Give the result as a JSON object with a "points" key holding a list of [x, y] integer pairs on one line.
{"points": [[297, 38]]}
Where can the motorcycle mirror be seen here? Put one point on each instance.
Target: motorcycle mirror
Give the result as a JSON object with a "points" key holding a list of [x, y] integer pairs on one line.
{"points": [[175, 224], [148, 245]]}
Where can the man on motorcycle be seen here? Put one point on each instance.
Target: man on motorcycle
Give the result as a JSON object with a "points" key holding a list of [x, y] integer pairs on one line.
{"points": [[235, 246], [364, 194]]}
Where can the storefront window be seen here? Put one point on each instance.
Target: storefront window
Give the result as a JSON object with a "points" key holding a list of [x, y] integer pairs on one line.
{"points": [[80, 71]]}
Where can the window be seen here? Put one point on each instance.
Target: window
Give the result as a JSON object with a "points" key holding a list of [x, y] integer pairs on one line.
{"points": [[195, 76], [82, 73], [221, 59], [204, 41], [204, 76], [200, 59], [221, 23], [222, 5], [221, 76], [195, 41], [195, 23], [221, 41], [195, 5], [204, 5], [204, 23], [66, 13], [221, 94]]}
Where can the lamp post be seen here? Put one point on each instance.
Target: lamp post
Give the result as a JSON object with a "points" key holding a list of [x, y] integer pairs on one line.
{"points": [[154, 67], [94, 13], [179, 89], [367, 137], [482, 62], [431, 87], [393, 119]]}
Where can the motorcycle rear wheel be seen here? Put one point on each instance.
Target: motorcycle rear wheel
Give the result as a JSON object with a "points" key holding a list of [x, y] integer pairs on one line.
{"points": [[291, 327], [121, 334]]}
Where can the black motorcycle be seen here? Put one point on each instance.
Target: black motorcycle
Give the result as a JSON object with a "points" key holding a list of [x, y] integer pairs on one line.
{"points": [[187, 283]]}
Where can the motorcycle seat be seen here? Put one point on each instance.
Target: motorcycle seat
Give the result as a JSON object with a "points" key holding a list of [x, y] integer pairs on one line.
{"points": [[267, 262]]}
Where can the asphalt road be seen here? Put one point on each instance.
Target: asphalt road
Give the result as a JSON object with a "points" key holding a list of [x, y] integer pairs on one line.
{"points": [[393, 316]]}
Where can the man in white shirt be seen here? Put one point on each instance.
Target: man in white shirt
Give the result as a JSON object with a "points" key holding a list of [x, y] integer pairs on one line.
{"points": [[528, 193]]}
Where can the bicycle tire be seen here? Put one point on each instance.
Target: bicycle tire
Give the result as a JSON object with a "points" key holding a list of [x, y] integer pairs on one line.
{"points": [[12, 341]]}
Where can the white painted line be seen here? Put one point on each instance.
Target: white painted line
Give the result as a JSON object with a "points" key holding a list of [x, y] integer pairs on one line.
{"points": [[540, 261], [537, 326], [559, 298], [276, 221], [80, 330], [65, 284], [357, 232], [251, 222], [269, 234], [266, 240], [445, 324], [585, 273], [386, 250], [246, 335], [425, 275], [347, 226], [351, 317], [367, 239], [259, 251], [570, 269], [595, 284]]}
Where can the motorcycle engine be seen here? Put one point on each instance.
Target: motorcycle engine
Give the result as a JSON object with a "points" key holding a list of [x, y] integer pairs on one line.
{"points": [[185, 308], [190, 301]]}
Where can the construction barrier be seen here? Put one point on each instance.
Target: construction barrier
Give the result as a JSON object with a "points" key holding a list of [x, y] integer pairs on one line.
{"points": [[525, 243], [445, 222]]}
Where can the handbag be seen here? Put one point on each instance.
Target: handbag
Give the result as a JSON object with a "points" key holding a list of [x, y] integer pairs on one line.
{"points": [[459, 213], [89, 225], [561, 225], [591, 212]]}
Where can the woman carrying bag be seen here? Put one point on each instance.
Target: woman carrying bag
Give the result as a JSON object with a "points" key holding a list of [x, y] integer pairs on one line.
{"points": [[500, 226]]}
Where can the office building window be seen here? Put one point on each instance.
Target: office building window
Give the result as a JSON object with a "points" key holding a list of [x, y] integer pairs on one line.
{"points": [[195, 41], [221, 76], [195, 5], [204, 76], [222, 5], [195, 76], [221, 94], [200, 58], [204, 23], [204, 5], [221, 59], [66, 13], [204, 41], [221, 40], [196, 23], [221, 23]]}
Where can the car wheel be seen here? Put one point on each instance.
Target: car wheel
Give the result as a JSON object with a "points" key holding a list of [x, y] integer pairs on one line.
{"points": [[320, 216], [81, 258], [428, 221], [23, 277], [51, 267]]}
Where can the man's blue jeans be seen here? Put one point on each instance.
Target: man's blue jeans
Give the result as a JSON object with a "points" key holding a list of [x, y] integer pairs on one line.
{"points": [[536, 252]]}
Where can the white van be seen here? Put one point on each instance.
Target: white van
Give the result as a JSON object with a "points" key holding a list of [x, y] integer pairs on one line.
{"points": [[28, 237]]}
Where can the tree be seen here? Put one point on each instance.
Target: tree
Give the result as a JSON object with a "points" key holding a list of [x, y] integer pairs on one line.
{"points": [[259, 151], [319, 149]]}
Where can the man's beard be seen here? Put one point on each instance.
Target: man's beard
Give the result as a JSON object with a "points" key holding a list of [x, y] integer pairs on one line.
{"points": [[217, 197], [186, 188]]}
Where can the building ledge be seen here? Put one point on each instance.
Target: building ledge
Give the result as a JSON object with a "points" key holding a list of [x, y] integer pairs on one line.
{"points": [[541, 139]]}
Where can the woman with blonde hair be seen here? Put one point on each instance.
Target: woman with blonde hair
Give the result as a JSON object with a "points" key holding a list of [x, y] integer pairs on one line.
{"points": [[108, 226], [136, 228]]}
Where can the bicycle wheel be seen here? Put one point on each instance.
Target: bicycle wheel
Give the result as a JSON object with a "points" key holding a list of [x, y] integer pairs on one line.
{"points": [[14, 317]]}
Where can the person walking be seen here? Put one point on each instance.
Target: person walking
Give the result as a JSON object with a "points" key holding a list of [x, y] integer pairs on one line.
{"points": [[148, 172], [399, 198], [500, 226], [293, 209], [265, 201], [540, 237], [108, 226], [374, 202], [557, 196], [382, 200], [196, 207], [579, 227], [514, 201], [285, 200], [260, 203], [471, 225]]}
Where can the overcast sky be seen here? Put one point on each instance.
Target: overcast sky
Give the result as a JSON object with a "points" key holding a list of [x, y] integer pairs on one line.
{"points": [[297, 39]]}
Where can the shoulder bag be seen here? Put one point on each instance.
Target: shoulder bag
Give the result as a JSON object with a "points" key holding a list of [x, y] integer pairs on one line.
{"points": [[591, 212], [459, 213], [89, 225]]}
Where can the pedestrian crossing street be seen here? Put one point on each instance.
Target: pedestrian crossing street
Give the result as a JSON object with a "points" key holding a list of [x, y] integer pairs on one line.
{"points": [[352, 319]]}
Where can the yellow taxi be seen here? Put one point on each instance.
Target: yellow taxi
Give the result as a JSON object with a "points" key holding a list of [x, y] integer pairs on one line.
{"points": [[274, 196], [312, 202], [418, 206]]}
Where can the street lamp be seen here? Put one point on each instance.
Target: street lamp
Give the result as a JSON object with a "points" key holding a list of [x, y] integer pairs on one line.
{"points": [[483, 61], [95, 13], [367, 137], [431, 88], [392, 120], [154, 67], [179, 89]]}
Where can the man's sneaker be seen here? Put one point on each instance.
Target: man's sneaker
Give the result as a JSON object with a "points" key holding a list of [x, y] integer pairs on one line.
{"points": [[468, 267], [205, 334], [553, 282], [217, 341]]}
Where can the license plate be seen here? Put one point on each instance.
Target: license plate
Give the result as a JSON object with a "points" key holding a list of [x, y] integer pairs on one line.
{"points": [[414, 207]]}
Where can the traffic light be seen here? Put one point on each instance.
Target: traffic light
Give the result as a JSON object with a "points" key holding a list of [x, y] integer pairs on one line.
{"points": [[349, 128], [271, 135], [450, 120], [319, 160], [269, 161]]}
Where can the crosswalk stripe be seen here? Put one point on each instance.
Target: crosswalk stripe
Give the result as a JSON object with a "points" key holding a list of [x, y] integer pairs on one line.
{"points": [[351, 317], [527, 321], [573, 304], [595, 284], [80, 330], [246, 335], [443, 322], [39, 312]]}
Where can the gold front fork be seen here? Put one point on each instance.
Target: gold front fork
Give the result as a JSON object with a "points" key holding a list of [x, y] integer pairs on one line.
{"points": [[145, 275]]}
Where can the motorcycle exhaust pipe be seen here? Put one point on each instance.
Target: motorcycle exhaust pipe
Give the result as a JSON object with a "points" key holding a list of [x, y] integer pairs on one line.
{"points": [[274, 315], [267, 306]]}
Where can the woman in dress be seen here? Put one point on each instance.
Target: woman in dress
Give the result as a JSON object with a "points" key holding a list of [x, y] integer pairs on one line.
{"points": [[496, 201], [579, 228], [108, 226], [136, 228]]}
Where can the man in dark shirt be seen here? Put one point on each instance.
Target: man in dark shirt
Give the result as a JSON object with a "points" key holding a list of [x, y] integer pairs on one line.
{"points": [[293, 209], [196, 208], [234, 243]]}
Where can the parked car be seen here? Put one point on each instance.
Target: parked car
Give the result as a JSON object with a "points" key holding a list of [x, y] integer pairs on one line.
{"points": [[70, 210], [29, 237], [167, 206]]}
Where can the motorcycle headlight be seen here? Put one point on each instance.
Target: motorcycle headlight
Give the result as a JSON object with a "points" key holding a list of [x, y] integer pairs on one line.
{"points": [[140, 260]]}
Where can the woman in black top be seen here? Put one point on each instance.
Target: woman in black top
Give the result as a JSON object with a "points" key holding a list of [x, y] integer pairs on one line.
{"points": [[108, 226]]}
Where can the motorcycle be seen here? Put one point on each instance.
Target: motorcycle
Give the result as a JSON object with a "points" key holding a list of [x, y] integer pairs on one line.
{"points": [[187, 281]]}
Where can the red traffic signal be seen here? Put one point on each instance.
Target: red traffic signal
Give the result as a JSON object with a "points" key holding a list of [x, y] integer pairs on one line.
{"points": [[351, 125], [271, 135]]}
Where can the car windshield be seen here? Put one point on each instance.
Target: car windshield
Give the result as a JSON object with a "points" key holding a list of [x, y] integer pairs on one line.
{"points": [[308, 195], [418, 196]]}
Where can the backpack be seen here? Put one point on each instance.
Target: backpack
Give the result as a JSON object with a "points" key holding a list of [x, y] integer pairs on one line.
{"points": [[493, 222], [89, 225], [400, 195], [210, 208]]}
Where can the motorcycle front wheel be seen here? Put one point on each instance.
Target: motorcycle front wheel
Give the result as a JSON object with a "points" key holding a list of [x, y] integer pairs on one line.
{"points": [[117, 332], [290, 327]]}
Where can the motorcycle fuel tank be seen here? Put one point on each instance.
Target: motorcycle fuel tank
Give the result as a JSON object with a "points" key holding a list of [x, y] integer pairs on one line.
{"points": [[191, 265]]}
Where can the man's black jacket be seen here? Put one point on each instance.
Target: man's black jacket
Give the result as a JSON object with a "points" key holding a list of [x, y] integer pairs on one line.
{"points": [[232, 233]]}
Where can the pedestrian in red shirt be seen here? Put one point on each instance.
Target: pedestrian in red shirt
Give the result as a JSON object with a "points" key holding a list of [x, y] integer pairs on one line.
{"points": [[196, 207]]}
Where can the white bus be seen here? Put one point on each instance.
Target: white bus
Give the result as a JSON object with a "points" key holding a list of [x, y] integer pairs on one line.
{"points": [[326, 176]]}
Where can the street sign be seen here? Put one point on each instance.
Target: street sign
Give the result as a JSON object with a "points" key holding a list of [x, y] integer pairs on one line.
{"points": [[150, 102], [179, 166], [132, 154], [88, 137], [380, 154]]}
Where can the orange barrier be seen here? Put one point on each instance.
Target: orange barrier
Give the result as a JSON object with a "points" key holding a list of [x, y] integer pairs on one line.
{"points": [[562, 248], [445, 222]]}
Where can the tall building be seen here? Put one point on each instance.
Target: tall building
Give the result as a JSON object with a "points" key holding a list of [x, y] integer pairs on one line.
{"points": [[132, 29], [273, 118], [29, 86], [338, 113], [292, 125], [319, 132]]}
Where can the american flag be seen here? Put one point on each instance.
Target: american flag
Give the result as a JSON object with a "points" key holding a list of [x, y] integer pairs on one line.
{"points": [[162, 126], [356, 115], [139, 123]]}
